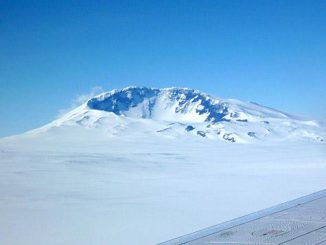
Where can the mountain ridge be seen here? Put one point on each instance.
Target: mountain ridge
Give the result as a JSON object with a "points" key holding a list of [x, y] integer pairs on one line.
{"points": [[178, 112]]}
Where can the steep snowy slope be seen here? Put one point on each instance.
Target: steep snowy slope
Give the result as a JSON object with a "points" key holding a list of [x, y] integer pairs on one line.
{"points": [[175, 112]]}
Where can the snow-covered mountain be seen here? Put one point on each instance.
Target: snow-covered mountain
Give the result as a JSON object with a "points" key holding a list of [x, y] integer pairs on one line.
{"points": [[136, 160], [176, 112]]}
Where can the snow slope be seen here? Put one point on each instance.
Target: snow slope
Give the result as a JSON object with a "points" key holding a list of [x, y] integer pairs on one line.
{"points": [[140, 173]]}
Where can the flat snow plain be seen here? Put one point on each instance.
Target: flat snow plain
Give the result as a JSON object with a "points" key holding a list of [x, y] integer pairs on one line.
{"points": [[80, 187]]}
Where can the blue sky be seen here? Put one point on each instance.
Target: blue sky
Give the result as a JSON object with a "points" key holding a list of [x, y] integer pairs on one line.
{"points": [[271, 52]]}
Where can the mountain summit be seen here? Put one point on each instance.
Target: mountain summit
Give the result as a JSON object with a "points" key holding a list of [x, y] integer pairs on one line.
{"points": [[176, 105], [174, 112]]}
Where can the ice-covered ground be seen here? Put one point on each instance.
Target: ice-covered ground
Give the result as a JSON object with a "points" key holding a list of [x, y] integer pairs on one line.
{"points": [[77, 186]]}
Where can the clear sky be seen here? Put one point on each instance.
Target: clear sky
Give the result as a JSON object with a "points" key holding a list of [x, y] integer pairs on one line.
{"points": [[271, 52]]}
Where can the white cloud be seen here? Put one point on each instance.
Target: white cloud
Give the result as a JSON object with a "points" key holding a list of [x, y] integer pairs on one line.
{"points": [[80, 99]]}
